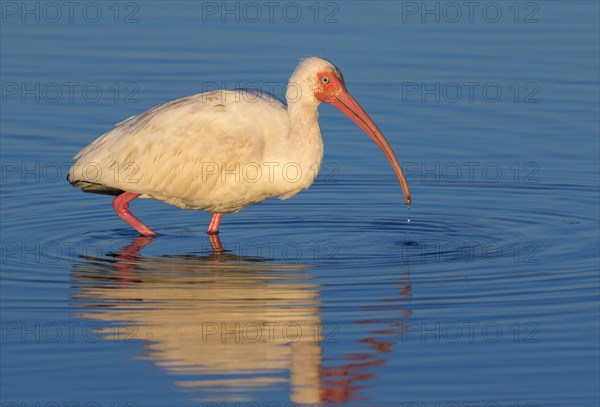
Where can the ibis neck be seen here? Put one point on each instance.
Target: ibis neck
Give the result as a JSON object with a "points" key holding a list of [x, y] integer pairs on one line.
{"points": [[304, 122], [304, 140]]}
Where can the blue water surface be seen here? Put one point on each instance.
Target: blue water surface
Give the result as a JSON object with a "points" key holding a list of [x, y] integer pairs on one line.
{"points": [[485, 292]]}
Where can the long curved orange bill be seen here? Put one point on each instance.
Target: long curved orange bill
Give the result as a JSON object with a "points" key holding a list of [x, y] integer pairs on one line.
{"points": [[350, 107]]}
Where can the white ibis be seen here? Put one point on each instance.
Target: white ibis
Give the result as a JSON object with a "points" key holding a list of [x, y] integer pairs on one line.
{"points": [[224, 150]]}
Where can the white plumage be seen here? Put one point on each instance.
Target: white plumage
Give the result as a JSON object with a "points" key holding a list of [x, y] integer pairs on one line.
{"points": [[224, 150]]}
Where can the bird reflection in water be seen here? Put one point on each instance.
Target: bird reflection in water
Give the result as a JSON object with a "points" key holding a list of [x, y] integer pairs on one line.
{"points": [[241, 325], [347, 379], [236, 322]]}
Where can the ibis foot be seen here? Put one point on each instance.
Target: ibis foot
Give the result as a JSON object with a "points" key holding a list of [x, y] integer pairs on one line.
{"points": [[121, 205]]}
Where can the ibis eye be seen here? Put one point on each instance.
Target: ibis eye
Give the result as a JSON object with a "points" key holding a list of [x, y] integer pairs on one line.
{"points": [[325, 79]]}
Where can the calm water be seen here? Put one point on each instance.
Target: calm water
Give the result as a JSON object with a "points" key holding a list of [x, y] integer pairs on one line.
{"points": [[485, 292]]}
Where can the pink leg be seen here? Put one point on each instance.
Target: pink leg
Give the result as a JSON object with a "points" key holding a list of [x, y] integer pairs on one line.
{"points": [[121, 205], [215, 243], [215, 221]]}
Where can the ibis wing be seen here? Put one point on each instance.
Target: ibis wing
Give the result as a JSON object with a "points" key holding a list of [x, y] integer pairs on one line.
{"points": [[181, 150]]}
